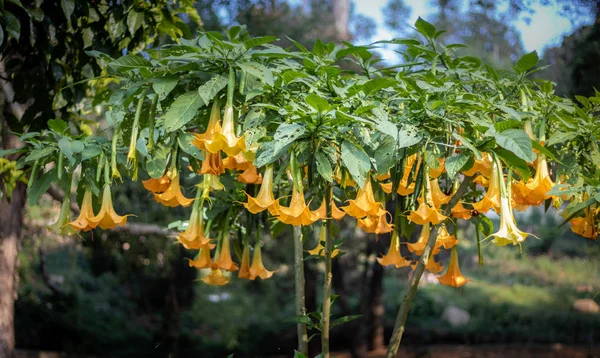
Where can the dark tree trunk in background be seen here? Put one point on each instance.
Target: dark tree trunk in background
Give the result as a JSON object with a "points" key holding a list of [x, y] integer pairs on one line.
{"points": [[341, 16], [376, 309], [311, 277]]}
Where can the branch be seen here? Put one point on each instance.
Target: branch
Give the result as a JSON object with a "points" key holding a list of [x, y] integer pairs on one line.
{"points": [[136, 229], [413, 283]]}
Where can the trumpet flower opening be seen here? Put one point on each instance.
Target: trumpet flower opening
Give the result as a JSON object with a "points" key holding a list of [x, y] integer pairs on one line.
{"points": [[107, 218], [393, 256], [265, 198], [453, 277], [84, 220]]}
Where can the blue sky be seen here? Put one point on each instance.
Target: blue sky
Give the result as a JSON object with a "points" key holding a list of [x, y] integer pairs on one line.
{"points": [[546, 28]]}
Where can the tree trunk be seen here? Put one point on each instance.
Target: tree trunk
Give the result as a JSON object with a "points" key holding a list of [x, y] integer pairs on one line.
{"points": [[341, 18], [376, 309]]}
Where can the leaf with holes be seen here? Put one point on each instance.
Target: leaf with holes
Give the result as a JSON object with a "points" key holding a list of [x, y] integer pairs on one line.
{"points": [[324, 166], [456, 163], [259, 71]]}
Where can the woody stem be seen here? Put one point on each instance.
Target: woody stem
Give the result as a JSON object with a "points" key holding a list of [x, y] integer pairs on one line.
{"points": [[413, 283], [327, 276], [299, 288]]}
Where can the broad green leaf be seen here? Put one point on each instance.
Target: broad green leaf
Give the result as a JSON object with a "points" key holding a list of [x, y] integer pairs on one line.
{"points": [[513, 161], [185, 143], [134, 21], [456, 163], [259, 71], [408, 136], [527, 62], [468, 144], [385, 155], [91, 151], [163, 86], [318, 103], [324, 166], [356, 161], [345, 319], [183, 110], [287, 133], [257, 41], [560, 137], [68, 6], [156, 165], [267, 153], [128, 63], [39, 154], [41, 184], [516, 141], [70, 147], [88, 37], [209, 90], [485, 226], [254, 118], [377, 84], [58, 125], [425, 28]]}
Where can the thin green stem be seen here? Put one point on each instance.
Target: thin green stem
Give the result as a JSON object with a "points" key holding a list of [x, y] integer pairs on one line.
{"points": [[230, 87], [479, 250], [328, 275], [299, 288], [152, 118]]}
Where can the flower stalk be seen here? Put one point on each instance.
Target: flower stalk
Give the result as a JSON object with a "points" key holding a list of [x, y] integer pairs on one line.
{"points": [[327, 276]]}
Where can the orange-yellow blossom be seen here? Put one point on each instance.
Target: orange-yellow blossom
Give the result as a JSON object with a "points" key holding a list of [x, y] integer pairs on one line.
{"points": [[173, 197], [250, 176], [336, 213], [203, 260], [445, 239], [226, 140], [436, 172], [319, 250], [214, 126], [245, 265], [297, 213], [107, 218], [376, 224], [265, 198], [418, 246], [453, 277], [393, 257], [460, 212], [586, 226], [224, 261], [193, 237], [157, 186], [534, 192], [491, 199], [364, 204], [431, 266], [237, 162], [483, 166], [215, 278], [258, 269], [83, 221], [212, 164]]}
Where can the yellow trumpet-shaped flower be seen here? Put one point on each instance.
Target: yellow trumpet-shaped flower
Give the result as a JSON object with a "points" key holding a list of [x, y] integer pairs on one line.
{"points": [[343, 179], [586, 226], [438, 198], [508, 232], [445, 239], [418, 246], [62, 224], [319, 250], [203, 260], [265, 198], [298, 213], [336, 213], [431, 266], [364, 204], [381, 177], [173, 197], [393, 257], [157, 186], [215, 278], [258, 269], [460, 212], [491, 199], [436, 172], [237, 162], [453, 277], [226, 139], [212, 164], [426, 214], [213, 127], [224, 261], [193, 237], [534, 192], [376, 224], [83, 221], [250, 176], [107, 218], [483, 166], [245, 265]]}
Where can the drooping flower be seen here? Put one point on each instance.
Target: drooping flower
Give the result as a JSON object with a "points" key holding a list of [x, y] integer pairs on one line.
{"points": [[258, 269], [226, 139], [213, 127], [62, 225], [342, 178], [586, 226], [336, 213], [445, 239], [418, 246], [237, 162], [265, 198], [193, 237], [426, 214], [203, 259], [491, 199], [393, 257], [215, 278], [364, 204], [436, 172], [297, 213], [534, 192], [460, 212], [438, 198], [209, 183], [376, 224], [319, 250], [431, 266], [453, 277], [83, 221], [212, 164], [107, 218], [250, 176], [157, 186], [245, 265], [483, 166], [508, 233], [224, 261], [173, 197]]}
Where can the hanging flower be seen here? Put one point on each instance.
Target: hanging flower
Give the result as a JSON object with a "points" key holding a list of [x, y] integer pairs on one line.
{"points": [[237, 162], [319, 250], [107, 218], [342, 178], [258, 269], [202, 260], [212, 164], [173, 197], [336, 213], [492, 195], [438, 198], [265, 198], [226, 139], [483, 166], [83, 221], [393, 257], [224, 261], [298, 213], [445, 239], [62, 225], [534, 192], [426, 213], [419, 246], [213, 127], [436, 172], [193, 237], [377, 224], [586, 226], [431, 266], [508, 233], [364, 204], [382, 177], [209, 183], [215, 278], [157, 186], [245, 265], [250, 176], [453, 277], [460, 212]]}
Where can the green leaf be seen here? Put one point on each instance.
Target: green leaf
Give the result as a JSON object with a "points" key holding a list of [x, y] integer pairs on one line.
{"points": [[163, 86], [299, 319], [356, 161], [58, 125], [134, 21], [527, 62], [129, 63], [68, 6], [513, 161], [425, 28], [560, 137], [91, 151], [88, 37], [320, 104], [385, 155], [324, 166], [287, 133], [468, 144], [299, 354], [183, 110], [210, 88], [485, 225], [41, 184], [377, 84], [39, 154], [345, 319], [185, 143], [408, 136], [156, 165], [257, 41], [516, 141], [69, 147], [543, 150], [13, 25], [259, 71], [456, 163]]}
